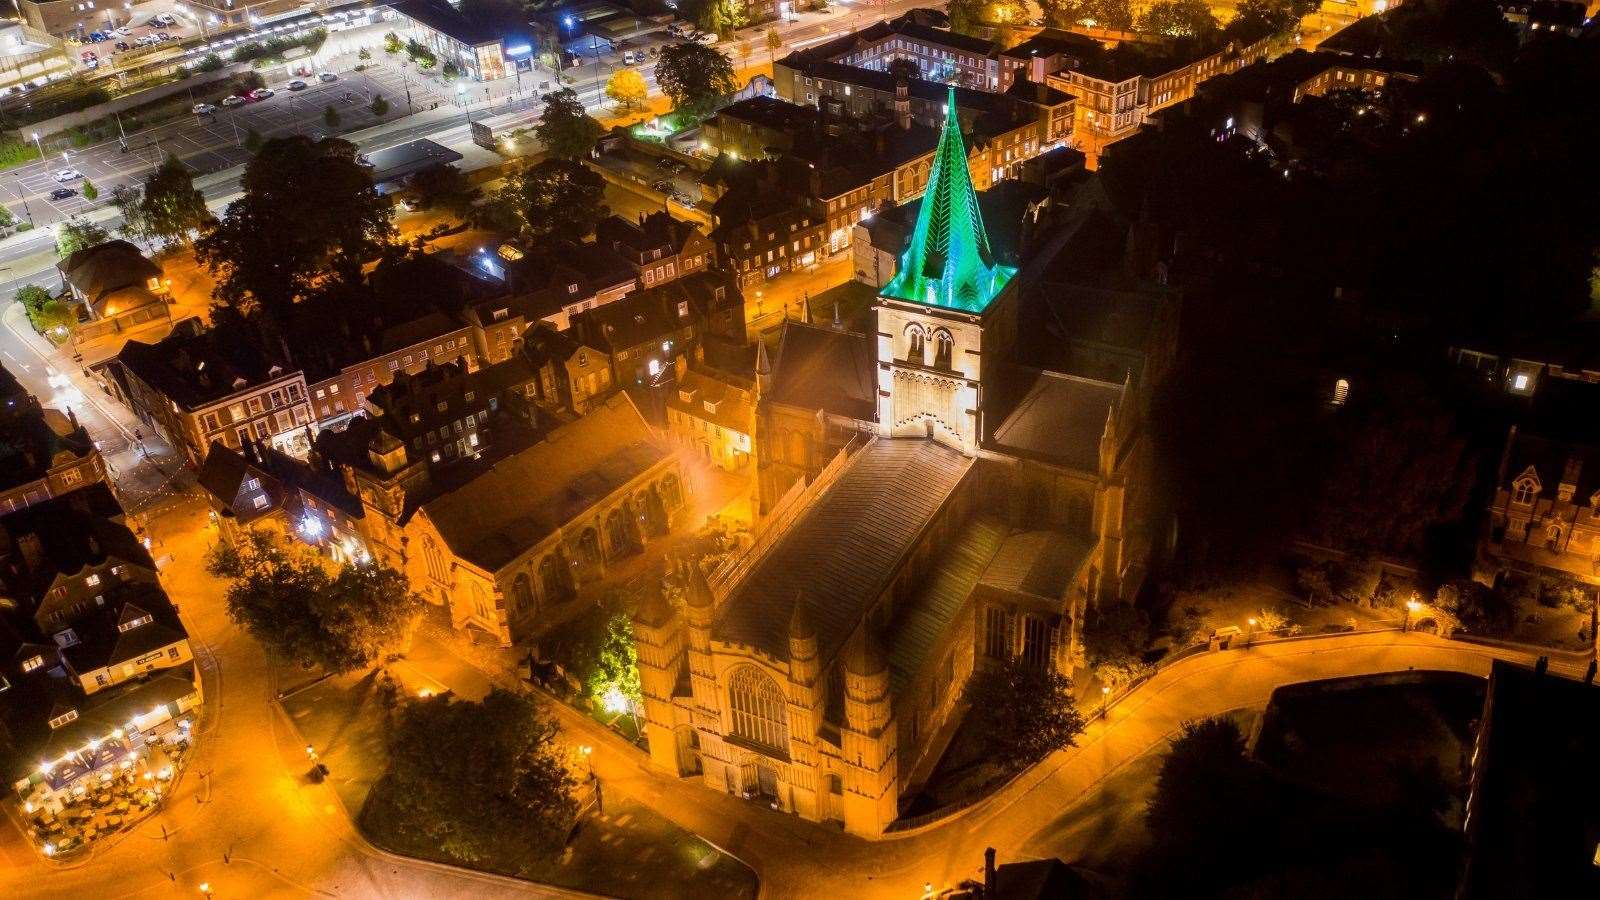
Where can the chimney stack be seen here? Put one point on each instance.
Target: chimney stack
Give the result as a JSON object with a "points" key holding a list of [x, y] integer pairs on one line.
{"points": [[988, 872]]}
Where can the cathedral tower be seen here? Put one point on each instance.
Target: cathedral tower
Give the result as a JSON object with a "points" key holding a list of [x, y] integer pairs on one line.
{"points": [[946, 311], [867, 741], [658, 641]]}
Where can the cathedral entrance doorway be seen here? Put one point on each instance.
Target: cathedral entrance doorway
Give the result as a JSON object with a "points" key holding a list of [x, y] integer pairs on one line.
{"points": [[767, 780]]}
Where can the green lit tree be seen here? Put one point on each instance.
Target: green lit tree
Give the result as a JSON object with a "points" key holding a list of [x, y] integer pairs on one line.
{"points": [[171, 207], [90, 192], [75, 234]]}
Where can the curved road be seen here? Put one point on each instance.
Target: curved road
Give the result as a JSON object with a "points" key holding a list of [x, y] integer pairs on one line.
{"points": [[798, 859]]}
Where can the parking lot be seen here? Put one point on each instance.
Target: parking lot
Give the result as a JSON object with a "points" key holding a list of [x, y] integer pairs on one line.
{"points": [[140, 27], [209, 143]]}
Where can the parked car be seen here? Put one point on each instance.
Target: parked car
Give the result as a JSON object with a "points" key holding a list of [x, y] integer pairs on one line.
{"points": [[327, 77], [707, 39], [663, 163], [630, 58], [296, 85], [68, 175], [663, 186], [202, 109], [235, 100], [123, 45], [261, 93], [124, 31], [163, 35], [62, 193], [96, 37]]}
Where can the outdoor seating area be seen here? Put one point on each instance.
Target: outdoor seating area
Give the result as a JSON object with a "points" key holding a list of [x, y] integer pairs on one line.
{"points": [[97, 800]]}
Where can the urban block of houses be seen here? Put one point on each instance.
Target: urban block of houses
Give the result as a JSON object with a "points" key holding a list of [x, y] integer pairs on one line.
{"points": [[44, 452], [712, 415], [94, 662]]}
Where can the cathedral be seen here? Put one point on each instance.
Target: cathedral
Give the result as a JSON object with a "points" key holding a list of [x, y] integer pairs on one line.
{"points": [[927, 505]]}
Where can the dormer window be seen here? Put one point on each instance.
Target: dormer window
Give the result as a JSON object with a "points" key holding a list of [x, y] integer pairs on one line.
{"points": [[683, 309], [93, 580], [501, 315], [572, 289], [32, 662], [131, 624], [66, 638], [63, 719], [1524, 490]]}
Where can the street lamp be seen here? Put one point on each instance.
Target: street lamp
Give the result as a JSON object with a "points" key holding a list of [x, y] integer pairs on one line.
{"points": [[1411, 607], [37, 143], [1105, 699], [205, 888]]}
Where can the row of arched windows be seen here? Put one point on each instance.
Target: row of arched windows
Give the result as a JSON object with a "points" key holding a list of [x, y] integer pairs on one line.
{"points": [[917, 339]]}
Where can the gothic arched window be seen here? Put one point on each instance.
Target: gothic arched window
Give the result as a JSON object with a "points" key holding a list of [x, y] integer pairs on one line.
{"points": [[434, 559], [758, 708], [943, 345], [914, 345], [552, 579], [522, 593]]}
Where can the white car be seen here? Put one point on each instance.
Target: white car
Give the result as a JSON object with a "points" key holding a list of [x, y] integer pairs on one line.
{"points": [[202, 109], [68, 175], [327, 76], [233, 101], [296, 85], [124, 31]]}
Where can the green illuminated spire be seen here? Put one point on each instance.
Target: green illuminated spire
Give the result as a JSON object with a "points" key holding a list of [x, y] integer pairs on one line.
{"points": [[949, 262]]}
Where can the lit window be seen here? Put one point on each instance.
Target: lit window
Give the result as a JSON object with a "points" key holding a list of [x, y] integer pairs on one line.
{"points": [[1524, 491], [1520, 381], [145, 619], [261, 501], [64, 718], [92, 580], [31, 663]]}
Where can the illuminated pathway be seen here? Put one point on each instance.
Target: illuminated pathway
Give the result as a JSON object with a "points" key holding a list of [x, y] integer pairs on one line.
{"points": [[795, 858]]}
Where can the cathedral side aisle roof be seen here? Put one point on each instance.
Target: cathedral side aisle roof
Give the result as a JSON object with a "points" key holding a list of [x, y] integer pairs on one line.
{"points": [[1060, 420], [844, 549], [919, 624]]}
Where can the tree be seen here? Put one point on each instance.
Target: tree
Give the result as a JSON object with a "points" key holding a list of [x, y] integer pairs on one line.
{"points": [[129, 202], [556, 198], [172, 208], [722, 17], [1255, 19], [905, 67], [90, 192], [55, 320], [617, 663], [308, 208], [627, 88], [1270, 618], [253, 141], [380, 106], [1024, 713], [75, 234], [1116, 633], [298, 612], [330, 117], [1115, 14], [966, 17], [363, 54], [445, 186], [391, 43], [1063, 13], [44, 311], [1179, 18], [564, 128], [696, 77], [1480, 609], [774, 44], [482, 783], [1203, 792]]}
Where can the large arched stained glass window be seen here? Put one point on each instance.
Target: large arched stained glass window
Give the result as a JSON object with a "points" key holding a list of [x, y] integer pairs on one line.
{"points": [[758, 706]]}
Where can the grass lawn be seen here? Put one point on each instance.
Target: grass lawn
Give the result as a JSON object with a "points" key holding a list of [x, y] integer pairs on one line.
{"points": [[1309, 736], [1105, 830], [624, 850]]}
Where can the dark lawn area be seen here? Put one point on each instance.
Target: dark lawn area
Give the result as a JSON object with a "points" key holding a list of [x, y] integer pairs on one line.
{"points": [[1370, 742]]}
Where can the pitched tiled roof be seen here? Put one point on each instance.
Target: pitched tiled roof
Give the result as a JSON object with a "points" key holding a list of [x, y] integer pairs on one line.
{"points": [[106, 267], [1060, 420], [918, 624], [820, 368], [846, 548], [523, 498], [1037, 563]]}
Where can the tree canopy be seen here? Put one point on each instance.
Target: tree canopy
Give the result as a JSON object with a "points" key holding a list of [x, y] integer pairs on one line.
{"points": [[170, 207], [564, 129], [696, 77], [1115, 634], [75, 234], [288, 601], [309, 208], [478, 782], [556, 198], [1179, 18], [1023, 712], [627, 88], [446, 187]]}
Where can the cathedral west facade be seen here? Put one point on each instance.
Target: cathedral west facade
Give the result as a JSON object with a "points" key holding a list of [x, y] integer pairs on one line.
{"points": [[915, 527]]}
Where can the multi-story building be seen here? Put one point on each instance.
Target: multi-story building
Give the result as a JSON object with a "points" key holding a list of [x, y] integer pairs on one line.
{"points": [[713, 415], [446, 411], [474, 46], [93, 657], [257, 487], [760, 235], [505, 543], [660, 248], [196, 388], [645, 332], [554, 281], [571, 375], [938, 54], [44, 452]]}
